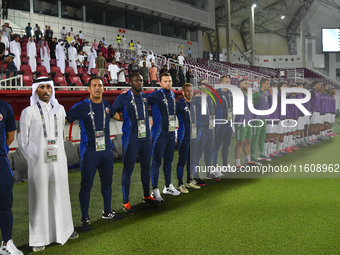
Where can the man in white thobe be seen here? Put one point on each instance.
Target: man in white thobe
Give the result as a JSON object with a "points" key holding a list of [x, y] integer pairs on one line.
{"points": [[16, 49], [63, 33], [4, 40], [32, 54], [72, 57], [211, 56], [92, 60], [41, 142], [60, 56], [139, 48], [221, 56], [45, 56], [150, 56]]}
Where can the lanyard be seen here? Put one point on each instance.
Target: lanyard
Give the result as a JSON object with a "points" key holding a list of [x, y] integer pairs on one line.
{"points": [[93, 124], [194, 108], [43, 121], [166, 103], [135, 105]]}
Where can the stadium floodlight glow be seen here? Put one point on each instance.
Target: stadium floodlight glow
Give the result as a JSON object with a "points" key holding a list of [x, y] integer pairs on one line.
{"points": [[283, 16], [254, 5]]}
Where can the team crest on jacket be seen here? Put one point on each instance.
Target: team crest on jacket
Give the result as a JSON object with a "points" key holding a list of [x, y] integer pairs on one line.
{"points": [[1, 117], [144, 100], [107, 110], [186, 109]]}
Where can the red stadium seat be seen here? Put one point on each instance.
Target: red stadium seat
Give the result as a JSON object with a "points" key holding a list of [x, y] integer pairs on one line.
{"points": [[59, 80], [94, 71], [107, 64], [41, 71], [55, 70], [106, 83], [23, 48], [82, 70], [53, 62], [69, 71], [38, 61], [23, 53], [27, 79], [86, 63], [75, 81], [25, 39], [85, 79], [24, 60], [26, 69]]}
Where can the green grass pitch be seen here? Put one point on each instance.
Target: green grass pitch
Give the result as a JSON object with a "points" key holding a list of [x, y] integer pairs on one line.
{"points": [[232, 216]]}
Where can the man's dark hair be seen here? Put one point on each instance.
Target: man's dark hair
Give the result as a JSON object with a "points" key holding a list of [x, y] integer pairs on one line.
{"points": [[314, 83], [132, 76], [162, 75], [263, 80], [94, 78], [280, 85], [241, 81]]}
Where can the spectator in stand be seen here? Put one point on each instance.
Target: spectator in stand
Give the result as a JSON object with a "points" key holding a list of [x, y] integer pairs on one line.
{"points": [[181, 76], [28, 30], [121, 75], [5, 32], [49, 34], [41, 41], [113, 70], [95, 45], [174, 57], [139, 48], [189, 75], [78, 46], [80, 60], [123, 40], [4, 39], [53, 44], [189, 53], [32, 54], [92, 60], [142, 61], [35, 28], [69, 38], [131, 45], [86, 50], [81, 37], [72, 57], [38, 35], [221, 57], [8, 29], [104, 42], [133, 68], [150, 63], [45, 56], [16, 49], [11, 69], [111, 53], [63, 33], [164, 70], [72, 32], [5, 10], [2, 54], [100, 64], [211, 56], [61, 56], [174, 75], [118, 40], [100, 45], [153, 75], [150, 56], [45, 29], [104, 51], [144, 71], [256, 84], [180, 59], [117, 55]]}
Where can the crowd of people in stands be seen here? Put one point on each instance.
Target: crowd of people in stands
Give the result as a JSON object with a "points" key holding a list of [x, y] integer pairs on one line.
{"points": [[41, 47]]}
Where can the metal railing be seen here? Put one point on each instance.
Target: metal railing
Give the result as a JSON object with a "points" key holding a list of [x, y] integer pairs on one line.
{"points": [[15, 83]]}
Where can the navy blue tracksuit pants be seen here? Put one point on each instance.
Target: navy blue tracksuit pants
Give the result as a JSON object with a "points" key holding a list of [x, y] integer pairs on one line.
{"points": [[143, 150], [89, 163], [184, 158], [164, 147], [223, 135], [204, 144], [6, 199]]}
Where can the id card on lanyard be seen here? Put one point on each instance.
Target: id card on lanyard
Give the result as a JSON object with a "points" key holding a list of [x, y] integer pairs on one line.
{"points": [[99, 136], [51, 151], [171, 118], [141, 123], [192, 123]]}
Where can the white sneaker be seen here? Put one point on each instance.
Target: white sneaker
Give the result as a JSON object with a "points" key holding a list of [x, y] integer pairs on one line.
{"points": [[171, 190], [9, 249], [156, 194], [218, 174]]}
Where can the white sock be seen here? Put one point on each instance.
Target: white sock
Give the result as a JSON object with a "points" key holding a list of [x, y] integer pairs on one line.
{"points": [[238, 162], [265, 153], [274, 147], [285, 141], [280, 146], [247, 158]]}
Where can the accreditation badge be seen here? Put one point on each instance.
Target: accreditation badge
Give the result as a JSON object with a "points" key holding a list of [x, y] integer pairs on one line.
{"points": [[172, 125], [141, 129], [193, 130], [100, 141], [211, 122], [51, 154]]}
